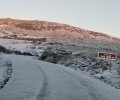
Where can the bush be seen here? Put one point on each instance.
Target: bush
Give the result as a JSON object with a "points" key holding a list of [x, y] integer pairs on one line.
{"points": [[18, 52], [7, 51], [50, 57], [2, 49], [54, 55], [27, 53]]}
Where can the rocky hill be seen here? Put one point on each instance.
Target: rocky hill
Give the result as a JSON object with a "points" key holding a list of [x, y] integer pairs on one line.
{"points": [[50, 29]]}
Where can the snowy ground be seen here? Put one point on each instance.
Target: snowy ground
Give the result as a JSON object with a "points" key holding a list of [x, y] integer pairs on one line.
{"points": [[5, 71], [88, 62], [22, 45], [83, 57], [2, 70], [37, 80]]}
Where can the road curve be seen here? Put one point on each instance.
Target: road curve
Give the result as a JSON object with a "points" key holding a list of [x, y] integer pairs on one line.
{"points": [[38, 80]]}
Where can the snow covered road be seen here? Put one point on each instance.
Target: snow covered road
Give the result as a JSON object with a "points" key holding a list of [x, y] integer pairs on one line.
{"points": [[38, 80]]}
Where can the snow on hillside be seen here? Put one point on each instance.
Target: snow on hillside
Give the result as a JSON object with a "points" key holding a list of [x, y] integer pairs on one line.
{"points": [[22, 45]]}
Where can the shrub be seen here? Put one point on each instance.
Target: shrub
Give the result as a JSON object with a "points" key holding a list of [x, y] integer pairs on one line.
{"points": [[2, 49], [54, 55], [7, 51], [18, 52], [27, 53]]}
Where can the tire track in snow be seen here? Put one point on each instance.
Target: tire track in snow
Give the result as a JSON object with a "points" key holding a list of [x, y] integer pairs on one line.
{"points": [[44, 91]]}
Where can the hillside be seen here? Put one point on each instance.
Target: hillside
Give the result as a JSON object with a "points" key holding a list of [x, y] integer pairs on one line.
{"points": [[58, 35], [49, 29]]}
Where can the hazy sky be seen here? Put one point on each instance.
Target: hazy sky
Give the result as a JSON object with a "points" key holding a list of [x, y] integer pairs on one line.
{"points": [[98, 15]]}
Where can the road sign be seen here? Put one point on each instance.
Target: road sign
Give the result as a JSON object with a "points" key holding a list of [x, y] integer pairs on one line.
{"points": [[110, 56]]}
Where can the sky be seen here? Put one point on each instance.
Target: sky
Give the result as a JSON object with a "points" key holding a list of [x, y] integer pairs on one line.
{"points": [[96, 15]]}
